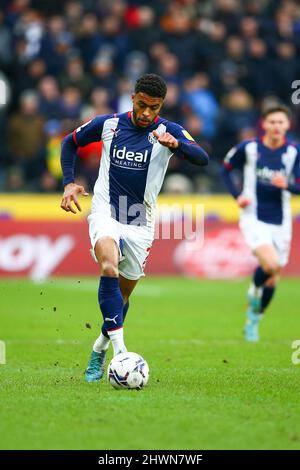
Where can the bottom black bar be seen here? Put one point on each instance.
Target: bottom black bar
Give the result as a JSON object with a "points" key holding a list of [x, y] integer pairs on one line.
{"points": [[133, 458]]}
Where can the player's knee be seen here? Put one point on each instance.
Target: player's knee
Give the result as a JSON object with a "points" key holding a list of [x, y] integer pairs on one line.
{"points": [[109, 269], [272, 281], [272, 267]]}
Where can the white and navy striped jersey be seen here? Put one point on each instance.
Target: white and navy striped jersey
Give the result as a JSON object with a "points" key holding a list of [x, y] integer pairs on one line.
{"points": [[133, 163], [259, 165]]}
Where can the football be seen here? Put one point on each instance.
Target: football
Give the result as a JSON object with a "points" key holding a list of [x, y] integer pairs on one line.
{"points": [[128, 371]]}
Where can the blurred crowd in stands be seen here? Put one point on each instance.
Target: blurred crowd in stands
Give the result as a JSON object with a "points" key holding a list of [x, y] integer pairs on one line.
{"points": [[63, 62]]}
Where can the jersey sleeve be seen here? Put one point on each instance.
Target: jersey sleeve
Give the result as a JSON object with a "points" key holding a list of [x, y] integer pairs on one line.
{"points": [[296, 168], [236, 157], [188, 148], [89, 132], [294, 187]]}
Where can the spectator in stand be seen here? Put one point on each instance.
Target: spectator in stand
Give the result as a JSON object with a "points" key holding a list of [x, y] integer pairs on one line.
{"points": [[124, 99], [82, 57], [285, 68], [202, 102], [178, 34], [103, 72], [100, 99], [259, 80], [75, 76], [56, 45], [53, 134], [238, 113], [50, 98], [5, 44], [71, 103], [25, 137], [172, 107], [169, 68], [143, 27]]}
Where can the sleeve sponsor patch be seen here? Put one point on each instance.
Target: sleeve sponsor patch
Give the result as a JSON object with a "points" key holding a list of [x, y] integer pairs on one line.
{"points": [[187, 135]]}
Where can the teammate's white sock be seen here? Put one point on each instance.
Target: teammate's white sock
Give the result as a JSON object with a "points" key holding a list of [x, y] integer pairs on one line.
{"points": [[255, 291], [117, 339], [101, 343]]}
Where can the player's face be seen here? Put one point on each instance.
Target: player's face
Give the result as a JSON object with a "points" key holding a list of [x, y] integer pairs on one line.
{"points": [[145, 109], [276, 125]]}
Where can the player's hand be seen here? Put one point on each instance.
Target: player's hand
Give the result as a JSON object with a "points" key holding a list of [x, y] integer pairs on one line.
{"points": [[279, 181], [166, 139], [243, 201], [70, 196]]}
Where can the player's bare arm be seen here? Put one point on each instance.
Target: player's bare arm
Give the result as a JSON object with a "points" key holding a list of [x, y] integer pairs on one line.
{"points": [[70, 197], [166, 139]]}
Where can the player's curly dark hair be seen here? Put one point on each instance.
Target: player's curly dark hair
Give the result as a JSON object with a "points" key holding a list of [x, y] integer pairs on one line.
{"points": [[151, 84]]}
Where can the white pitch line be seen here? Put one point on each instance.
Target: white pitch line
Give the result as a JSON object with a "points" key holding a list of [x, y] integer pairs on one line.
{"points": [[92, 286], [217, 342], [43, 341]]}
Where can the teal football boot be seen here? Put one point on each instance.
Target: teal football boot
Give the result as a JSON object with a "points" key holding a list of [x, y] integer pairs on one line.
{"points": [[95, 368], [254, 298], [251, 327]]}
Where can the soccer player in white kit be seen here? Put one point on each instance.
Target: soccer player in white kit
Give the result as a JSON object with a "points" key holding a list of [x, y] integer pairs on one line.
{"points": [[271, 172], [136, 150]]}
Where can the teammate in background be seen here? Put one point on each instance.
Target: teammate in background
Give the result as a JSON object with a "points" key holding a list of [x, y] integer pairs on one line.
{"points": [[136, 150], [271, 171]]}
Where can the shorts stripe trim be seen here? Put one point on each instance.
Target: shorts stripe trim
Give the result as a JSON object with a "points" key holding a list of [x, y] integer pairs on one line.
{"points": [[115, 329]]}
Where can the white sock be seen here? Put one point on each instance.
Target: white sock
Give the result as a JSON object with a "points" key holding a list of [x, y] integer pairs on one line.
{"points": [[117, 339], [255, 291], [101, 343]]}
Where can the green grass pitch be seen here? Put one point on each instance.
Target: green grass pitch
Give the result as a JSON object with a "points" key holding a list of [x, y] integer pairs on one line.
{"points": [[208, 389]]}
